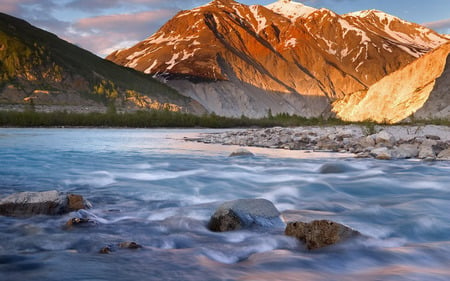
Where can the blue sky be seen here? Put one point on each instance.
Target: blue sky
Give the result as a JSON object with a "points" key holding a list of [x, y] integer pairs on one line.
{"points": [[103, 26]]}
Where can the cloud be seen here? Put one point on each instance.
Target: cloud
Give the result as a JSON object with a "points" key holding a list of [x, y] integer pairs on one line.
{"points": [[23, 7], [103, 34], [101, 5], [440, 25]]}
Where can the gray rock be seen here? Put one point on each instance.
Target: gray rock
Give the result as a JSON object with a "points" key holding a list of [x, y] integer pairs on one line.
{"points": [[320, 233], [41, 203], [384, 137], [244, 213], [429, 142], [368, 141], [241, 152], [444, 155], [405, 151], [381, 153], [426, 151]]}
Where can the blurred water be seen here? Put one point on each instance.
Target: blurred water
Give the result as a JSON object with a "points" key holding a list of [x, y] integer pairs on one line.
{"points": [[152, 187]]}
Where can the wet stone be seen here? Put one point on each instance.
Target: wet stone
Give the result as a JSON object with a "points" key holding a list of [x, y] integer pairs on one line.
{"points": [[320, 233], [244, 213], [335, 168], [224, 220], [129, 245], [25, 204], [105, 250], [74, 222], [241, 152]]}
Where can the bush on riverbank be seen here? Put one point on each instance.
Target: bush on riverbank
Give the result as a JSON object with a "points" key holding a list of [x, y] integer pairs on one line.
{"points": [[150, 119]]}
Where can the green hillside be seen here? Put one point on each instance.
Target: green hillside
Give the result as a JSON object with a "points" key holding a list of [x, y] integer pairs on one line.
{"points": [[38, 67]]}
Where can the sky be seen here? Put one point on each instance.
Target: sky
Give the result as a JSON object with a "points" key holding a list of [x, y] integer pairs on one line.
{"points": [[102, 26]]}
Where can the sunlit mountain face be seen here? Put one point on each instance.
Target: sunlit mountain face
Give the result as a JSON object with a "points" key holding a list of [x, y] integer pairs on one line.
{"points": [[287, 57]]}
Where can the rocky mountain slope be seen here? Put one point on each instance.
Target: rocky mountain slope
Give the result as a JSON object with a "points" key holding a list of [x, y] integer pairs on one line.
{"points": [[236, 59], [37, 68], [421, 89]]}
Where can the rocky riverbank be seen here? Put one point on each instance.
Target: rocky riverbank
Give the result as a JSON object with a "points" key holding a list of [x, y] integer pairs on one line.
{"points": [[428, 142]]}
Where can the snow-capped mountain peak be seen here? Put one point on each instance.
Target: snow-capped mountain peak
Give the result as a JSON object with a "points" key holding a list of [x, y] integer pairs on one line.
{"points": [[237, 59], [290, 9]]}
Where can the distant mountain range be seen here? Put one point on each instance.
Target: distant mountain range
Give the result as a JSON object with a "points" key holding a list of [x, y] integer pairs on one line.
{"points": [[234, 59], [237, 60], [38, 68]]}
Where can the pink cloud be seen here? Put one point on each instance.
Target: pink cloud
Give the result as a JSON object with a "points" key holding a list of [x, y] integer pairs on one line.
{"points": [[9, 6], [103, 34], [123, 22], [98, 5], [440, 24]]}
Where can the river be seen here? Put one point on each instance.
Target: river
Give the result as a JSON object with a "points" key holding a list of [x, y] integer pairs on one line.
{"points": [[154, 188]]}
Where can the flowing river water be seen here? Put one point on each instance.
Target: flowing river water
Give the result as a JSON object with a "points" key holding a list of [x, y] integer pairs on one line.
{"points": [[154, 188]]}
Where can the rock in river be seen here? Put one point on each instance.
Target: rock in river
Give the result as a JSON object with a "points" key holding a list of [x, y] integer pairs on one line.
{"points": [[241, 152], [243, 213], [52, 202], [75, 222], [320, 233], [335, 168]]}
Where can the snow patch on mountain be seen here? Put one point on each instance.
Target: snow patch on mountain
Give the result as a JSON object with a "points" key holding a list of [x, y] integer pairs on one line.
{"points": [[348, 27], [291, 42], [291, 10], [262, 21], [149, 70]]}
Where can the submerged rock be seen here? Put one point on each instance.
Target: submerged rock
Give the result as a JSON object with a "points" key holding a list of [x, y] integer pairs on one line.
{"points": [[122, 245], [243, 213], [105, 250], [129, 245], [335, 168], [320, 233], [41, 203], [79, 222], [241, 152]]}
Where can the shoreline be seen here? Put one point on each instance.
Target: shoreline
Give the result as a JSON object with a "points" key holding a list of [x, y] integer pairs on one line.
{"points": [[427, 142]]}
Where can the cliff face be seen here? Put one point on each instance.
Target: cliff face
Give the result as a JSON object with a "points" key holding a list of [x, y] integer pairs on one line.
{"points": [[38, 68], [237, 59], [422, 88]]}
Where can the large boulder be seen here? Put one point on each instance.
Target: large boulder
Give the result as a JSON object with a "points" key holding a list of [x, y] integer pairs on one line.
{"points": [[244, 213], [319, 233], [52, 202]]}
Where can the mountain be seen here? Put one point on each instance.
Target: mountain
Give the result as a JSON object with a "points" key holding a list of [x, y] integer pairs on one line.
{"points": [[420, 89], [285, 57], [38, 68]]}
